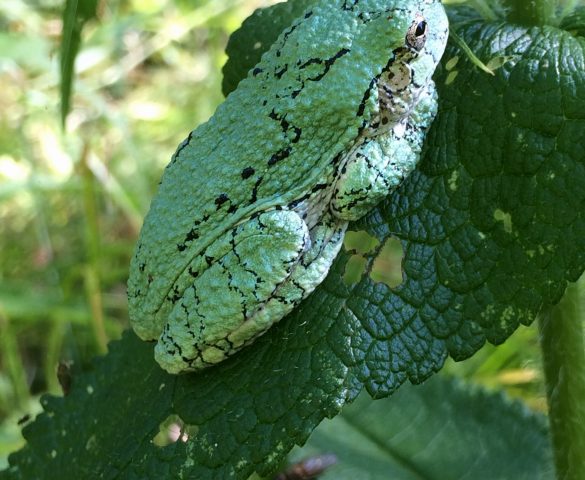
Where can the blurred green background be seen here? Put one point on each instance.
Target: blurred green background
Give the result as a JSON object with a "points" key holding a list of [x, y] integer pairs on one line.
{"points": [[72, 200]]}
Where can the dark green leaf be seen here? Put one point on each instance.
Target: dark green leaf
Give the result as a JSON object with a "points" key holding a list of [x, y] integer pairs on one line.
{"points": [[75, 15], [441, 429], [492, 225]]}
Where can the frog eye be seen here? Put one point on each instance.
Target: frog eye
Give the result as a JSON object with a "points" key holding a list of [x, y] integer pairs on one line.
{"points": [[421, 29], [417, 34]]}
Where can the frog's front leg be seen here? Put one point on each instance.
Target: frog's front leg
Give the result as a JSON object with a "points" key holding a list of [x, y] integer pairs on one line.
{"points": [[373, 169], [244, 291], [383, 158]]}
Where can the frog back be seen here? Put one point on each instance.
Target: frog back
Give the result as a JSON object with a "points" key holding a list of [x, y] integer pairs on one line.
{"points": [[278, 137]]}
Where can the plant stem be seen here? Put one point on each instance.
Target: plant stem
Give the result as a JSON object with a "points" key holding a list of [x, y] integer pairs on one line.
{"points": [[533, 12], [11, 361], [562, 340], [92, 272]]}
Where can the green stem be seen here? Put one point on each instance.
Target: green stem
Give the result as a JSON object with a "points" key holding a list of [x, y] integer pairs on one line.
{"points": [[92, 245], [562, 340], [11, 360], [533, 12], [469, 52]]}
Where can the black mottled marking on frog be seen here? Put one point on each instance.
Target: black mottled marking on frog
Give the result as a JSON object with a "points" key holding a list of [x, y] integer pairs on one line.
{"points": [[220, 200], [374, 168], [233, 244], [349, 6], [289, 32], [300, 287], [298, 133], [329, 62], [366, 97], [388, 91], [180, 148], [385, 103], [367, 17], [255, 189], [279, 156], [231, 285], [192, 235], [374, 82], [292, 205], [257, 71], [311, 61], [209, 260], [278, 74], [178, 351], [361, 194], [193, 273], [335, 161], [286, 126], [230, 343], [319, 186], [176, 295]]}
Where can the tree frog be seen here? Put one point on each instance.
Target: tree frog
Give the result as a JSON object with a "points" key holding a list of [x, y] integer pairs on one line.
{"points": [[253, 207]]}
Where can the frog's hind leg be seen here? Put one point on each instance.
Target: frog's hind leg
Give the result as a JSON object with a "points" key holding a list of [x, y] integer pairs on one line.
{"points": [[227, 296], [326, 241], [372, 171]]}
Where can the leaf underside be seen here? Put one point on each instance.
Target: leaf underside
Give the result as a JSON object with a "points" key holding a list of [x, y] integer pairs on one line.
{"points": [[492, 225], [442, 429]]}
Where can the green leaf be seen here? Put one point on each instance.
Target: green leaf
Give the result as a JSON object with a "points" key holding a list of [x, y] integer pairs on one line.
{"points": [[492, 226], [441, 426], [75, 16]]}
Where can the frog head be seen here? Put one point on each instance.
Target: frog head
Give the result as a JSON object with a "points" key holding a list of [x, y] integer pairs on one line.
{"points": [[417, 34]]}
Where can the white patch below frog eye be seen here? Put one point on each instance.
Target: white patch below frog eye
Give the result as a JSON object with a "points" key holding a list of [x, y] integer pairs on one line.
{"points": [[400, 129]]}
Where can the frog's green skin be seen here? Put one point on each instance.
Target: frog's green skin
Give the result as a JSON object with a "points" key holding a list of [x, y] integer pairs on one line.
{"points": [[253, 207]]}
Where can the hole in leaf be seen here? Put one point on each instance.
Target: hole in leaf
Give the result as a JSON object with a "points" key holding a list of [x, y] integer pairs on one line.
{"points": [[360, 243], [387, 267], [354, 269], [174, 429]]}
